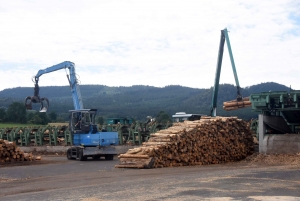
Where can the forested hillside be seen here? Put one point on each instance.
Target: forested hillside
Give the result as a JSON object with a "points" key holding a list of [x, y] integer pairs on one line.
{"points": [[140, 101]]}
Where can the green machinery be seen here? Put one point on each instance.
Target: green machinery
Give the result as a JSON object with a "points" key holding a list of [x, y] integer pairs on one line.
{"points": [[111, 121], [224, 37], [281, 109], [133, 132], [140, 131], [129, 131], [278, 124], [37, 136]]}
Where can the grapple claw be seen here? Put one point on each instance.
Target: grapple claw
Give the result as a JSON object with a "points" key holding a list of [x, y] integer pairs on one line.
{"points": [[36, 98], [28, 103], [44, 104]]}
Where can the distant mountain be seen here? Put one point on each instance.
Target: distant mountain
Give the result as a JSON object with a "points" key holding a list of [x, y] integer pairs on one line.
{"points": [[140, 101], [266, 87]]}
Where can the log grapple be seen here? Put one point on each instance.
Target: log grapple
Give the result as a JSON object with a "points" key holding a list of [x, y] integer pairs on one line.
{"points": [[36, 98]]}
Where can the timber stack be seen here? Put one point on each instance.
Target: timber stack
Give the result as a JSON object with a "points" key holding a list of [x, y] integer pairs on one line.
{"points": [[210, 140], [234, 104], [9, 152]]}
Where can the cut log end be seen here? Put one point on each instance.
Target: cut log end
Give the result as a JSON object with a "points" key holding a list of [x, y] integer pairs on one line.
{"points": [[136, 163]]}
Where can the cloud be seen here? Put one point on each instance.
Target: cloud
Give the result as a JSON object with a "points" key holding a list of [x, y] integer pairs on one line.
{"points": [[157, 43]]}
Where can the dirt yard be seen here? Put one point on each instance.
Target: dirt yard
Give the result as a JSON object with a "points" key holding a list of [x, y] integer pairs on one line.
{"points": [[255, 159], [258, 177]]}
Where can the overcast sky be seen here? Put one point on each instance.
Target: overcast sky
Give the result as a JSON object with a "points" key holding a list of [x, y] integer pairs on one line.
{"points": [[156, 43]]}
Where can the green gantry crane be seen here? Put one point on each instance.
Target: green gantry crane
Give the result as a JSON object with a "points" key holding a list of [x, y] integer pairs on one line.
{"points": [[224, 36]]}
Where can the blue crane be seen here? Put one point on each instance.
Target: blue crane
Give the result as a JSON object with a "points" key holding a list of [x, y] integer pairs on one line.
{"points": [[87, 141]]}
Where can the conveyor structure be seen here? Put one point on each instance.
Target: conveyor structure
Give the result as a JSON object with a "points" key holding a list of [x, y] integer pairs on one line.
{"points": [[279, 120]]}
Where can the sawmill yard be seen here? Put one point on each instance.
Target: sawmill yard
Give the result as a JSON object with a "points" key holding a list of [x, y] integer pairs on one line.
{"points": [[192, 162], [256, 159], [258, 177]]}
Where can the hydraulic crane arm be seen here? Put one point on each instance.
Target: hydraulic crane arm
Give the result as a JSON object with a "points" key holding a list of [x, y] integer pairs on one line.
{"points": [[224, 37], [75, 91]]}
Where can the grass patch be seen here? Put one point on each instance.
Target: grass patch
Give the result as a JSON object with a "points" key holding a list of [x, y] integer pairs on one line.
{"points": [[58, 124], [14, 125]]}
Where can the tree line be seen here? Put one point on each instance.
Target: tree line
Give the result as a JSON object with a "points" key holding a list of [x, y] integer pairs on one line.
{"points": [[16, 113], [135, 102]]}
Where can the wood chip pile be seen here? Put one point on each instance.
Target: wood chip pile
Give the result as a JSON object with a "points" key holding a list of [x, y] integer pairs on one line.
{"points": [[9, 152], [273, 159], [234, 104], [205, 141]]}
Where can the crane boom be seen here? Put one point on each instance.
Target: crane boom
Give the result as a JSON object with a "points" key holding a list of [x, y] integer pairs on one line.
{"points": [[224, 37], [85, 137], [75, 91]]}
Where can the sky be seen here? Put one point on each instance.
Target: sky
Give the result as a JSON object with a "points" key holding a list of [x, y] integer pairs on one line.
{"points": [[156, 43]]}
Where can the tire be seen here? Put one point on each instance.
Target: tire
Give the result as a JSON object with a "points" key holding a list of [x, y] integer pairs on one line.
{"points": [[109, 157], [69, 154], [96, 157], [81, 156]]}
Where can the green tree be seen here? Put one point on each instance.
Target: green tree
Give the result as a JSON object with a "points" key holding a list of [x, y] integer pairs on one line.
{"points": [[29, 116], [38, 118], [2, 114], [100, 120], [53, 116], [45, 118], [16, 113], [163, 117]]}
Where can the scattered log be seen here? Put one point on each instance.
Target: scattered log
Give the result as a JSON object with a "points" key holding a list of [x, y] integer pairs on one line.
{"points": [[134, 156], [38, 158], [136, 163], [9, 152]]}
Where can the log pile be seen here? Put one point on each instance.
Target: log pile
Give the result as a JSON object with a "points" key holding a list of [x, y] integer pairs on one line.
{"points": [[9, 152], [205, 141], [234, 104]]}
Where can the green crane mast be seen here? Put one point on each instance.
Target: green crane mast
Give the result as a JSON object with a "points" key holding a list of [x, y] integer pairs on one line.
{"points": [[224, 36]]}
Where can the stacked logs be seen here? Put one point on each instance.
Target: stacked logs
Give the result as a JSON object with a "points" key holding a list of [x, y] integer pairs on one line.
{"points": [[9, 152], [205, 141], [234, 104]]}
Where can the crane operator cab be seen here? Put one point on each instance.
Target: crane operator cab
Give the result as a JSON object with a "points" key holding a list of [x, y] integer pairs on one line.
{"points": [[87, 141], [83, 121]]}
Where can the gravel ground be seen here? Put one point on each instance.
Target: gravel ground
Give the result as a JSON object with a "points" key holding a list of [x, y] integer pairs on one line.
{"points": [[254, 159], [99, 180], [258, 177]]}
